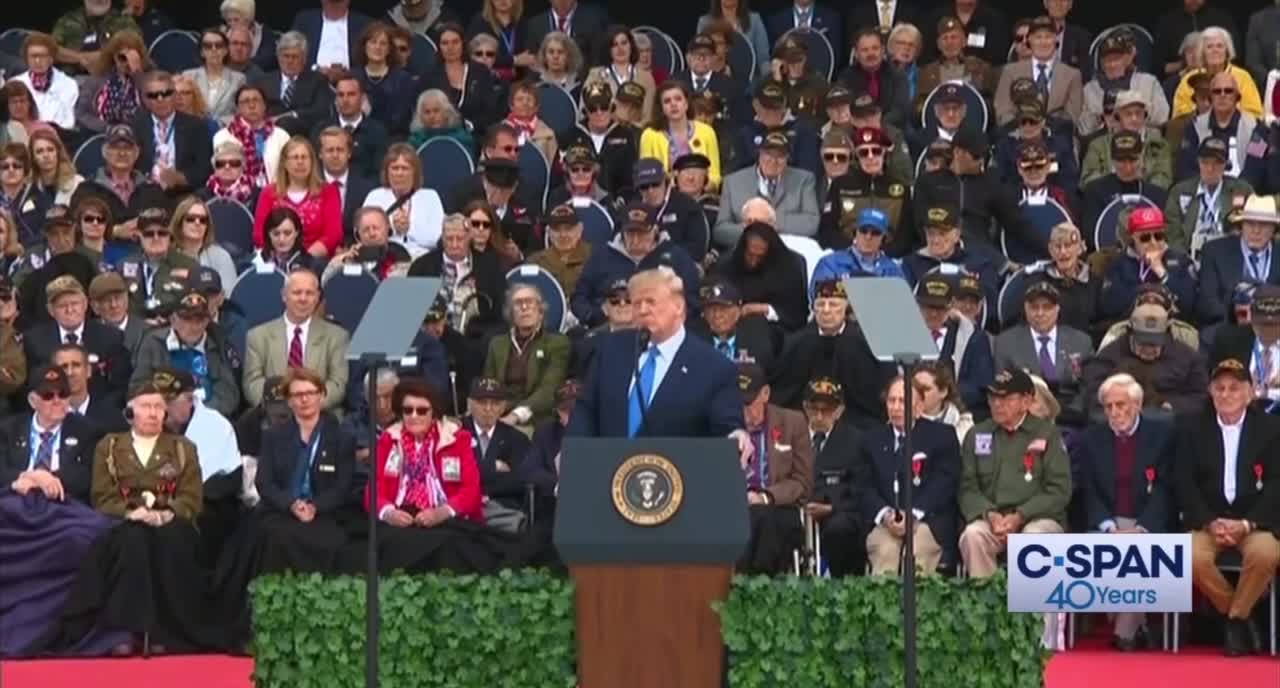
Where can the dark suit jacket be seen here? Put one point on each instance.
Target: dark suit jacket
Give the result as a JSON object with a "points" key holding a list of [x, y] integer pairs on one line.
{"points": [[839, 477], [587, 25], [75, 453], [939, 476], [895, 93], [489, 281], [986, 20], [1221, 269], [357, 190], [698, 397], [312, 99], [865, 14], [753, 337], [108, 358], [371, 141], [479, 102], [851, 364], [105, 415], [732, 94], [1154, 509], [509, 446], [1199, 468], [822, 19], [331, 471], [1075, 42], [311, 22], [539, 465], [1233, 341], [193, 147]]}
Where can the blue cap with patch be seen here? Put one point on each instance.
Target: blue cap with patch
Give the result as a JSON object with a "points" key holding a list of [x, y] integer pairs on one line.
{"points": [[874, 218]]}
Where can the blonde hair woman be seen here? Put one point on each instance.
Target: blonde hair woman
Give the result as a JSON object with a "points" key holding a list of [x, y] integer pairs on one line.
{"points": [[298, 186], [52, 169], [193, 235], [415, 213], [1215, 52]]}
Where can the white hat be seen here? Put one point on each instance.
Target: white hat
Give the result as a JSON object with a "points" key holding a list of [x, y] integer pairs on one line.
{"points": [[1130, 97], [1261, 209]]}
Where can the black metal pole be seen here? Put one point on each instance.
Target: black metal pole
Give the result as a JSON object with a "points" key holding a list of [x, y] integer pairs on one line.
{"points": [[908, 364], [371, 573]]}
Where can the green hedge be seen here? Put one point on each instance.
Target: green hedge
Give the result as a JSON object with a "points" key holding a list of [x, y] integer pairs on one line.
{"points": [[847, 633], [513, 629]]}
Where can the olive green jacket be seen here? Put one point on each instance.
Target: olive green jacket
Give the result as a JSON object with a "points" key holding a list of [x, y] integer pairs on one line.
{"points": [[548, 365], [993, 472], [1157, 160], [172, 477]]}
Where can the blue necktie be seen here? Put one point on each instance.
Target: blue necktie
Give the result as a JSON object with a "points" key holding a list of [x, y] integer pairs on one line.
{"points": [[44, 453], [1042, 81], [635, 414]]}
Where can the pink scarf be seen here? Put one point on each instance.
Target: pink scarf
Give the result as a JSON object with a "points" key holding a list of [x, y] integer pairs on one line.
{"points": [[246, 135], [425, 490], [41, 82], [524, 127], [241, 189]]}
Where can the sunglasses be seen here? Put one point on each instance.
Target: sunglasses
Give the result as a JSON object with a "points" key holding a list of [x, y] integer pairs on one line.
{"points": [[580, 169], [868, 230], [836, 157], [224, 164], [481, 224], [423, 411], [1029, 122], [93, 219], [50, 396], [156, 234], [1148, 237], [1223, 91], [12, 166], [592, 109], [158, 95], [870, 152], [197, 219], [485, 53], [619, 301], [213, 46]]}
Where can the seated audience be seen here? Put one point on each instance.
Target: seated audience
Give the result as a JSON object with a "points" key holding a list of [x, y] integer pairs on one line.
{"points": [[839, 478], [69, 308], [500, 451], [185, 346], [472, 283], [298, 186], [416, 213], [736, 336], [261, 145], [297, 339], [769, 276], [530, 361], [566, 254]]}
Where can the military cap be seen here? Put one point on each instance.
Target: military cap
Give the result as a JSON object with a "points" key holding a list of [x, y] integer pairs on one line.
{"points": [[941, 218], [790, 49], [631, 93], [1033, 154], [567, 393], [1011, 381], [120, 133], [172, 381], [776, 140], [598, 94], [579, 153], [49, 379], [839, 94], [562, 215], [61, 286], [949, 94], [1265, 308], [864, 105], [771, 94], [1042, 289], [637, 217], [721, 292], [193, 304], [824, 389], [701, 43], [751, 379], [1213, 147], [871, 136], [487, 388], [1149, 323], [968, 285], [1031, 108], [1232, 368], [829, 289], [1126, 145], [934, 291]]}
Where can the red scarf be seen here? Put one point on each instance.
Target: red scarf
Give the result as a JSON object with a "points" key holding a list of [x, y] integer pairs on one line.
{"points": [[241, 189], [425, 490], [524, 127], [41, 82], [245, 134]]}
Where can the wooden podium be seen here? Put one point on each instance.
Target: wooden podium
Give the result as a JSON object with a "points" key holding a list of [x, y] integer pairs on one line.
{"points": [[650, 529]]}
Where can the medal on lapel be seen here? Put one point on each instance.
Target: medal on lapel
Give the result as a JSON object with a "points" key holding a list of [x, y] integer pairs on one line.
{"points": [[1151, 479], [917, 468], [1257, 474], [1028, 462]]}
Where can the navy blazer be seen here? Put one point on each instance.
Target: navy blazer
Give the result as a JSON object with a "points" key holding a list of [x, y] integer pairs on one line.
{"points": [[1154, 510], [822, 19], [1200, 461], [109, 362], [311, 22], [1221, 269], [193, 147], [839, 475], [587, 25], [939, 475], [331, 472], [508, 445], [698, 397], [75, 453]]}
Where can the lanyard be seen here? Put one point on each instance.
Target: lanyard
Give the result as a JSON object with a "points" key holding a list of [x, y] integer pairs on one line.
{"points": [[1261, 267], [617, 78], [508, 38], [312, 446], [1209, 206], [678, 150]]}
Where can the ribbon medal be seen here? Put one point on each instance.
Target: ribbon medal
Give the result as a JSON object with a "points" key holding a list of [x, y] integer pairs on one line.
{"points": [[1151, 479], [917, 467], [1257, 473]]}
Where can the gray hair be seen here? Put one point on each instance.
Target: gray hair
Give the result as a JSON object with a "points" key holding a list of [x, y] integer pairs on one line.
{"points": [[386, 376], [1065, 231], [454, 221], [1189, 41], [757, 207], [910, 31], [573, 55], [245, 8], [231, 147], [1122, 381], [368, 210], [1221, 34], [508, 302], [482, 40], [451, 116], [293, 40]]}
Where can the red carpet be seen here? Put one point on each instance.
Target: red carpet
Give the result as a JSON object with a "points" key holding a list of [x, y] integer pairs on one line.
{"points": [[1094, 665]]}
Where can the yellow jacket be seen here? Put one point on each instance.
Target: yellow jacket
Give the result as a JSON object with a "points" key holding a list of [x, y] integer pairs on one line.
{"points": [[653, 144], [1250, 100]]}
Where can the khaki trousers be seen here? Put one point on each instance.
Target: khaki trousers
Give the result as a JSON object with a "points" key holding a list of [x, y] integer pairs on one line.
{"points": [[884, 550], [1260, 552], [979, 546]]}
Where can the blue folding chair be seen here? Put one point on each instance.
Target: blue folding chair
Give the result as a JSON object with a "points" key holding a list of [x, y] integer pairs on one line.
{"points": [[1143, 41], [233, 224], [88, 158], [424, 56], [1009, 302], [11, 42], [445, 162], [549, 287], [175, 51], [535, 177], [556, 108], [1042, 218], [663, 55], [1106, 233], [597, 225], [976, 114], [257, 295], [822, 58], [347, 295], [742, 59]]}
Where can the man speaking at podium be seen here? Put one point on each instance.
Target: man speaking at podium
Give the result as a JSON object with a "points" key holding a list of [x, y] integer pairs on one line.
{"points": [[656, 381]]}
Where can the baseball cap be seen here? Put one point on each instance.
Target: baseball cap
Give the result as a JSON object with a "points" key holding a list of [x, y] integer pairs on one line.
{"points": [[777, 141], [967, 284], [438, 310], [872, 218], [205, 280], [836, 138], [1129, 97], [1149, 323], [771, 94], [934, 291], [1146, 220], [1232, 368], [193, 304], [722, 293], [691, 161], [579, 153], [790, 49], [598, 94], [1042, 289], [829, 289], [1033, 154], [562, 215], [971, 140], [61, 286], [1116, 42], [751, 380], [1023, 88], [49, 379], [1011, 381], [864, 106], [949, 93], [171, 381], [1213, 147], [871, 136], [1126, 145], [1266, 305], [824, 389], [487, 388], [649, 172], [701, 43], [839, 94], [121, 133], [631, 93], [105, 284], [618, 286], [637, 216], [1032, 108], [567, 393], [940, 218]]}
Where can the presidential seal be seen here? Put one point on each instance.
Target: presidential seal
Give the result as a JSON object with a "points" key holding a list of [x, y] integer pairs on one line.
{"points": [[647, 490]]}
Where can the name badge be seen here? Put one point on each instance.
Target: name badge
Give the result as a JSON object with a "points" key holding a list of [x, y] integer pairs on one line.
{"points": [[982, 444], [978, 39], [1037, 200], [326, 467], [581, 202], [71, 441], [130, 270], [1053, 168], [265, 268], [1184, 201], [409, 362], [782, 447], [668, 218], [451, 469], [93, 359], [352, 270]]}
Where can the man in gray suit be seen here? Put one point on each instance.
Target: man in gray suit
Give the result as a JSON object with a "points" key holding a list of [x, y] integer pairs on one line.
{"points": [[297, 339], [1046, 348], [1060, 85], [789, 190]]}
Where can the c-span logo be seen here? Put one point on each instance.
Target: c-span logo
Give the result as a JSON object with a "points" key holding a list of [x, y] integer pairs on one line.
{"points": [[1100, 573], [647, 489]]}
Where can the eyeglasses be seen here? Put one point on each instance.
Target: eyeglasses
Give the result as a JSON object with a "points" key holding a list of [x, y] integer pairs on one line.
{"points": [[1222, 91], [197, 219], [423, 411], [159, 95], [481, 224], [214, 46], [7, 166], [156, 234], [1029, 122], [619, 301], [1148, 237], [870, 152], [224, 164], [484, 53], [50, 396], [305, 394], [835, 157], [581, 169]]}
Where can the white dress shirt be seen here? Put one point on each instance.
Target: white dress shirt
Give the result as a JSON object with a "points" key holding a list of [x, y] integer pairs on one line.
{"points": [[56, 449], [78, 332], [333, 47], [666, 354], [83, 408], [1052, 343], [1265, 365], [1048, 70], [1230, 456], [342, 184], [288, 335]]}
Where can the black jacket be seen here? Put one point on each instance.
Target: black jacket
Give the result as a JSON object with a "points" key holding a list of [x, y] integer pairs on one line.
{"points": [[1153, 505], [520, 223], [75, 453], [939, 476], [331, 471], [509, 446], [895, 93], [371, 141], [478, 103], [312, 99], [845, 357], [587, 25], [539, 465], [839, 476], [685, 223], [780, 280], [617, 156], [491, 284], [753, 337], [1199, 466], [108, 359], [985, 204], [193, 147], [145, 195]]}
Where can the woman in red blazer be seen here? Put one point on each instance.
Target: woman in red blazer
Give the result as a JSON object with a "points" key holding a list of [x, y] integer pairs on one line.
{"points": [[299, 186], [429, 498]]}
